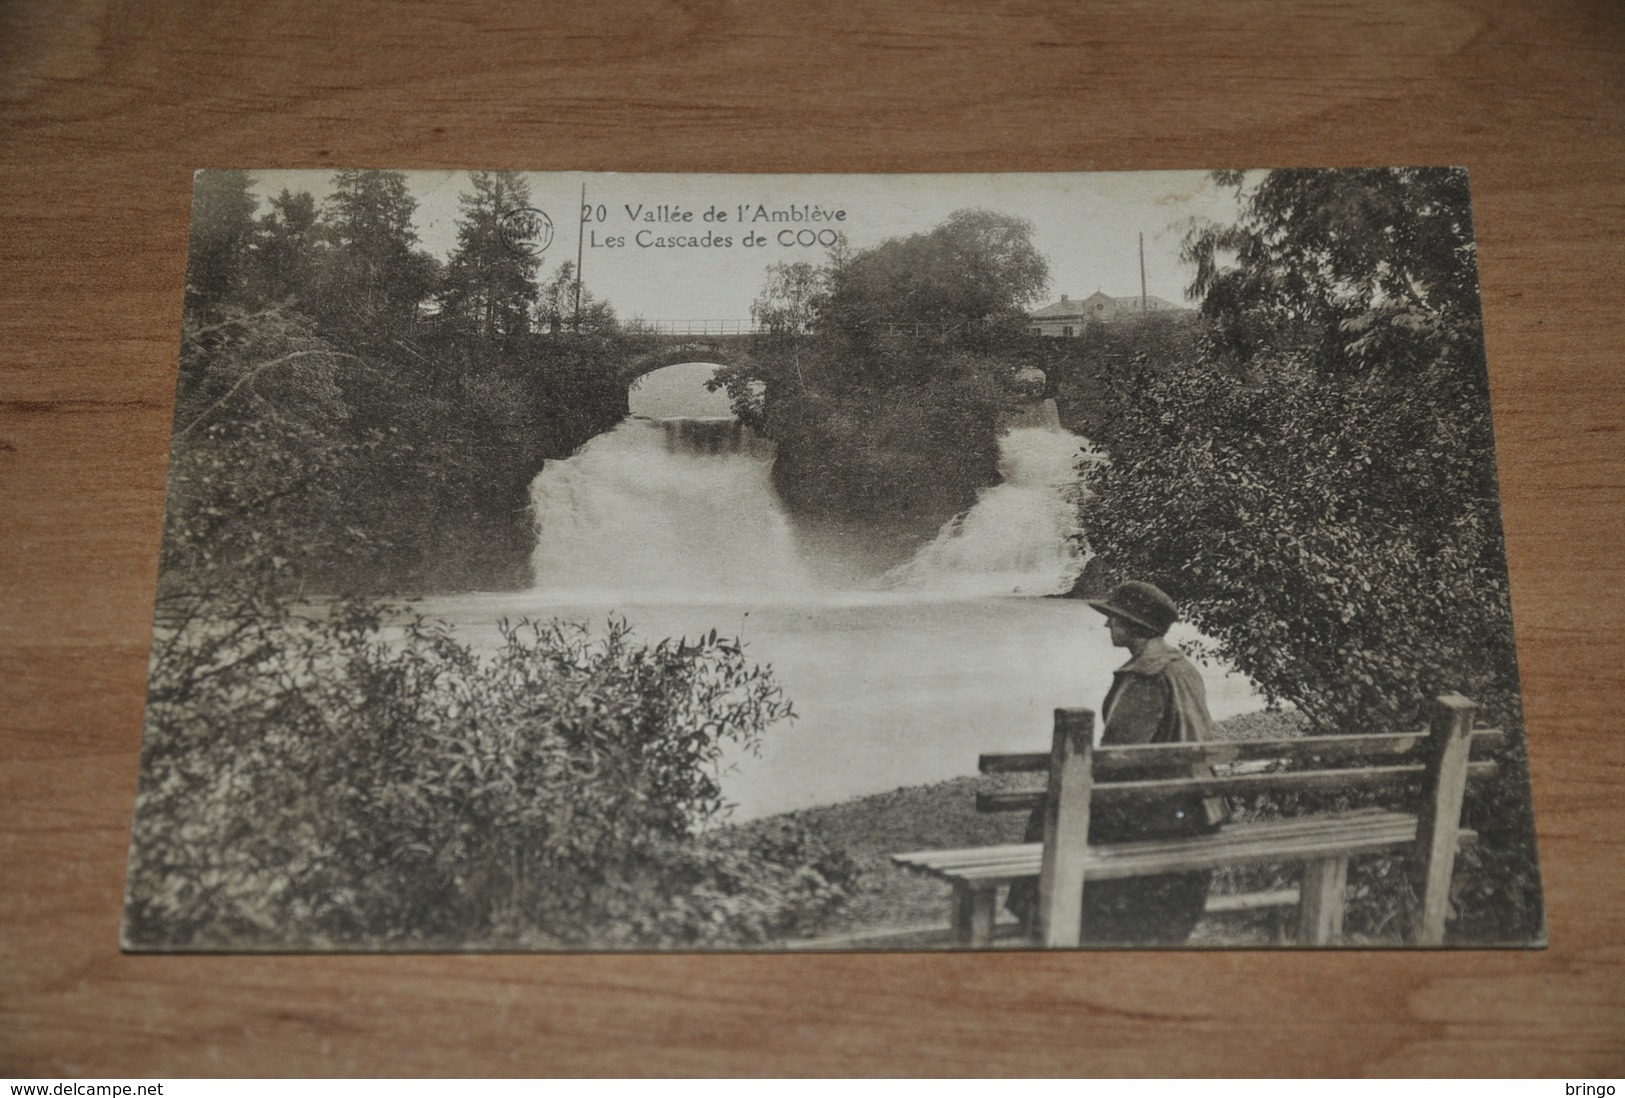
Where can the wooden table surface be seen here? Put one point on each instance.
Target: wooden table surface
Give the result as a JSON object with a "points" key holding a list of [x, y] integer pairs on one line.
{"points": [[109, 106]]}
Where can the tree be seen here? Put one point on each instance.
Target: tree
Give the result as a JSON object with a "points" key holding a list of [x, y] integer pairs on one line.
{"points": [[373, 277], [305, 779], [1319, 487], [1316, 484], [882, 373], [267, 471], [791, 299], [489, 287], [285, 248], [1358, 270], [556, 308], [218, 251], [977, 266]]}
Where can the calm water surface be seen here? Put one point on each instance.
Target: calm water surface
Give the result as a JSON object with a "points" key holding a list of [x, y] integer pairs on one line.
{"points": [[890, 689]]}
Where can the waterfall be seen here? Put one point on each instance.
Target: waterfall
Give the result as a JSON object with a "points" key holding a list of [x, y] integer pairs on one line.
{"points": [[680, 507], [1022, 535]]}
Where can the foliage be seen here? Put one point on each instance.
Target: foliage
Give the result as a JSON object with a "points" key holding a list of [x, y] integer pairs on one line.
{"points": [[1314, 480], [488, 289], [556, 306], [221, 234], [334, 428], [287, 239], [336, 779], [1336, 541], [882, 374], [372, 422], [1367, 270], [1321, 493], [372, 278], [263, 461], [327, 776]]}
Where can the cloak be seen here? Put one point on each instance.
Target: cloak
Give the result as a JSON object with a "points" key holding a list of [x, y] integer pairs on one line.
{"points": [[1158, 697]]}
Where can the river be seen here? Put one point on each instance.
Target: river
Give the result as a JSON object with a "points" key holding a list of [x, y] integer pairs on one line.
{"points": [[898, 679], [890, 689]]}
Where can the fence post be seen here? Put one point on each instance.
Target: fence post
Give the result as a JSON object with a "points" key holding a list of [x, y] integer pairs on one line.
{"points": [[1066, 829], [1438, 825]]}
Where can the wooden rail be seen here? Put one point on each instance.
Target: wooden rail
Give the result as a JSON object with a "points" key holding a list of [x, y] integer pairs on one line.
{"points": [[1109, 760], [1238, 785]]}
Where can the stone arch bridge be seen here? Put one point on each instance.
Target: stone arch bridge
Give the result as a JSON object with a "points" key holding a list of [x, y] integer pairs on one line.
{"points": [[670, 349], [725, 342]]}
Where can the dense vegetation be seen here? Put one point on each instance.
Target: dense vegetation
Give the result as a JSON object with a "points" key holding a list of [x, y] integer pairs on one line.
{"points": [[1313, 476], [353, 417], [318, 778], [882, 373], [1306, 464], [378, 414]]}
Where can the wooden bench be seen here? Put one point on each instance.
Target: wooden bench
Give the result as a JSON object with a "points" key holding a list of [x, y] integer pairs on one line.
{"points": [[1082, 776]]}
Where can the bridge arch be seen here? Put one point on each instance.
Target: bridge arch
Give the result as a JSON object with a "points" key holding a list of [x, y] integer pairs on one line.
{"points": [[681, 391], [724, 350]]}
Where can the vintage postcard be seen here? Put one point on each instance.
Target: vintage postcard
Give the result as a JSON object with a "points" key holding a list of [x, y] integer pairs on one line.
{"points": [[602, 562]]}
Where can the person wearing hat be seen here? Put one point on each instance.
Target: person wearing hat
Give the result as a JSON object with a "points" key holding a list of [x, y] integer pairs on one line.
{"points": [[1156, 697]]}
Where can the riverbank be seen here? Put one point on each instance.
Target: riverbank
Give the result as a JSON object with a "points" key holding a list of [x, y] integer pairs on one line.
{"points": [[943, 815]]}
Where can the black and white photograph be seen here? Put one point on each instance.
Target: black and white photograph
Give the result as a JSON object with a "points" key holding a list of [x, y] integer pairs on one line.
{"points": [[605, 562]]}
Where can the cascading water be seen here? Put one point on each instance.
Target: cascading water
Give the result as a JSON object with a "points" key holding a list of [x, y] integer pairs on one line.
{"points": [[685, 507], [671, 520], [1022, 535], [665, 508]]}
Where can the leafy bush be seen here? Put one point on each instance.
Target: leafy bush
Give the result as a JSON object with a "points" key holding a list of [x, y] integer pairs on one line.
{"points": [[1341, 543], [333, 780], [1315, 480]]}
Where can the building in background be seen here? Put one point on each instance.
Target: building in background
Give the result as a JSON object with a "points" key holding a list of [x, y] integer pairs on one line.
{"points": [[1067, 317]]}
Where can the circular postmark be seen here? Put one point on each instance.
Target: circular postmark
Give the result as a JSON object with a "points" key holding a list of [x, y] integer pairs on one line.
{"points": [[526, 231]]}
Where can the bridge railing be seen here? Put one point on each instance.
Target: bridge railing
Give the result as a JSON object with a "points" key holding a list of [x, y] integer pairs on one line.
{"points": [[702, 327], [917, 329], [712, 327]]}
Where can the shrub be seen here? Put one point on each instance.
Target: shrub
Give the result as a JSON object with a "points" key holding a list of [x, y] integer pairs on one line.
{"points": [[1339, 541], [327, 779], [1315, 481]]}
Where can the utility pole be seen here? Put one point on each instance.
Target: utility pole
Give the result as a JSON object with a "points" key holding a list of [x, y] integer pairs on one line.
{"points": [[1143, 301], [581, 233]]}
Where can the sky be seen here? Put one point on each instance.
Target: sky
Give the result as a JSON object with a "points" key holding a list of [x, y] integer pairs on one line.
{"points": [[1086, 224]]}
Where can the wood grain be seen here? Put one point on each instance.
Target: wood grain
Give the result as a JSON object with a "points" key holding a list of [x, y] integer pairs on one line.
{"points": [[109, 106]]}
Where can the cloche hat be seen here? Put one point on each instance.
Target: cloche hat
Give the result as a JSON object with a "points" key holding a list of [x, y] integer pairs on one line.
{"points": [[1141, 603]]}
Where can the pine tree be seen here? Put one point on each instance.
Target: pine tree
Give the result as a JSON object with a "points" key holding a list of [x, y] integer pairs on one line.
{"points": [[222, 229], [489, 286], [285, 249], [373, 278]]}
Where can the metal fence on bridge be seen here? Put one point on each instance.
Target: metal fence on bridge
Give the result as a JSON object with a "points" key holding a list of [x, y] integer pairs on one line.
{"points": [[750, 327], [702, 327]]}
